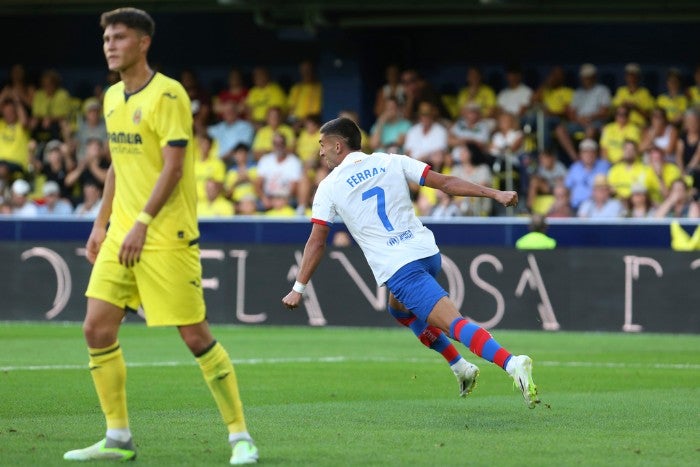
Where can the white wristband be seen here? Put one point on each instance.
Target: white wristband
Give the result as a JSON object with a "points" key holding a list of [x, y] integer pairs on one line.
{"points": [[299, 287]]}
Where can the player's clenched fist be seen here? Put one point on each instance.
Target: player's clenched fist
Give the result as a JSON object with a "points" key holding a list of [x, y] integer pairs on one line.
{"points": [[292, 300]]}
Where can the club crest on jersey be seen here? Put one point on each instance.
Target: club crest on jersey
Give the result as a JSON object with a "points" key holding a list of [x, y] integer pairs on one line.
{"points": [[136, 118]]}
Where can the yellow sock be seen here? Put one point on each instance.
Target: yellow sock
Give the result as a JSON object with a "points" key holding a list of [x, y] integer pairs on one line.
{"points": [[220, 376], [108, 372]]}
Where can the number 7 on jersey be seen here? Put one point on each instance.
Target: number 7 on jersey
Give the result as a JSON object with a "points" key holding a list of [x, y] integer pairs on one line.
{"points": [[381, 209]]}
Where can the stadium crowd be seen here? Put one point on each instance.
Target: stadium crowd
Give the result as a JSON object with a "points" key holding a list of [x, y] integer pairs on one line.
{"points": [[589, 152]]}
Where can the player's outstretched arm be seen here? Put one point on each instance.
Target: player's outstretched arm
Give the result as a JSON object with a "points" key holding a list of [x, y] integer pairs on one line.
{"points": [[313, 253], [456, 186]]}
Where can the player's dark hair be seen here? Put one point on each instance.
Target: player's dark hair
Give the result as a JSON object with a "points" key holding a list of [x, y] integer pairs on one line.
{"points": [[345, 129], [130, 17]]}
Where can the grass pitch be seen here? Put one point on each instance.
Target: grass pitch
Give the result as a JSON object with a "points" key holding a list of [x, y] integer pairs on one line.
{"points": [[335, 397]]}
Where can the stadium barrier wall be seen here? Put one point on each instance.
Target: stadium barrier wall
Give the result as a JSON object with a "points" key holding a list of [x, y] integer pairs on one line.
{"points": [[633, 290]]}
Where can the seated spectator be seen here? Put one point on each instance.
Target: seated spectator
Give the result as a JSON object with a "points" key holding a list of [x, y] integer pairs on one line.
{"points": [[92, 168], [630, 170], [262, 96], [688, 149], [664, 174], [279, 206], [307, 147], [549, 172], [391, 89], [279, 173], [601, 205], [515, 98], [419, 90], [236, 92], [200, 101], [427, 136], [693, 92], [50, 108], [92, 201], [21, 205], [274, 123], [14, 139], [18, 86], [673, 101], [214, 204], [553, 97], [476, 92], [52, 204], [470, 128], [537, 238], [561, 206], [469, 169], [661, 134], [91, 125], [240, 178], [247, 206], [507, 140], [305, 96], [679, 203], [231, 131], [57, 165], [639, 205], [207, 165], [587, 113], [615, 133], [636, 98], [390, 128], [582, 173], [446, 206]]}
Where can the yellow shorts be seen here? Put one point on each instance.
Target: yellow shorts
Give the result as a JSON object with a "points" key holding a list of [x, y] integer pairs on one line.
{"points": [[168, 283]]}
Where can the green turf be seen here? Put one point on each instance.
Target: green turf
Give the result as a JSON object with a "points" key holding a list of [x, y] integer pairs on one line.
{"points": [[333, 397]]}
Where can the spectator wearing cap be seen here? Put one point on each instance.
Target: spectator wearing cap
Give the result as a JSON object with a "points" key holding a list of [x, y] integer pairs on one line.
{"points": [[634, 96], [57, 165], [582, 173], [601, 204], [639, 205], [52, 204], [22, 206], [516, 98], [91, 125], [587, 113], [615, 133], [631, 170], [537, 238], [673, 101]]}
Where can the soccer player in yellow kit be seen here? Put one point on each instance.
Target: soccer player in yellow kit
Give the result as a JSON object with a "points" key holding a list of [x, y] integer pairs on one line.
{"points": [[150, 254]]}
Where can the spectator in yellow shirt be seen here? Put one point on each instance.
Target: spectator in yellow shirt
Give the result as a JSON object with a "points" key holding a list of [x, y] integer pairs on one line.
{"points": [[634, 96], [214, 205], [207, 165], [629, 171], [263, 95], [50, 108], [665, 173], [477, 92], [306, 96], [14, 138], [673, 101], [262, 143], [616, 133], [694, 91]]}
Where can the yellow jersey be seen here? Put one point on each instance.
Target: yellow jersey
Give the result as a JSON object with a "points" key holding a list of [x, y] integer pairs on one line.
{"points": [[220, 207], [613, 138], [139, 126], [261, 99], [305, 99], [307, 147], [210, 168], [263, 138], [558, 99], [673, 106], [641, 98], [694, 94], [57, 105], [485, 97], [621, 177], [14, 143]]}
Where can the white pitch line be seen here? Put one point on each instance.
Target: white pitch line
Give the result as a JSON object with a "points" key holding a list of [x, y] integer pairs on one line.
{"points": [[342, 359]]}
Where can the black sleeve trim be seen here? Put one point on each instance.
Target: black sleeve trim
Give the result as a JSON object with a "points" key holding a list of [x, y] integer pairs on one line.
{"points": [[178, 143]]}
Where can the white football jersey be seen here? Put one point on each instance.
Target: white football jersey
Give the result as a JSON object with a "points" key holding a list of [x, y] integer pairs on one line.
{"points": [[370, 193]]}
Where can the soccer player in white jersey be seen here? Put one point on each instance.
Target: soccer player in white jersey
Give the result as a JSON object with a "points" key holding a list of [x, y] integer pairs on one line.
{"points": [[370, 193]]}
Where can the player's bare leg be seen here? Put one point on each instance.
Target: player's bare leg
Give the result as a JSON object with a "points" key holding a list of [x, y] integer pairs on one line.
{"points": [[220, 376]]}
